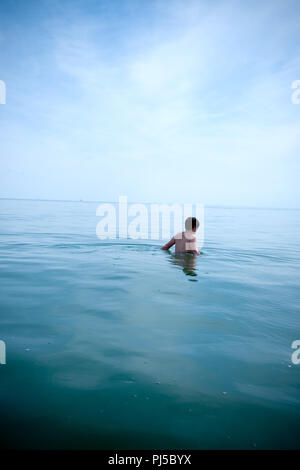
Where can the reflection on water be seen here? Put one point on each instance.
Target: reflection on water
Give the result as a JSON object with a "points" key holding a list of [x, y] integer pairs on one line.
{"points": [[188, 261]]}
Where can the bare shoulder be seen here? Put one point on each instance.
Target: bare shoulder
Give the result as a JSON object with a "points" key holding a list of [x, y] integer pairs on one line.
{"points": [[190, 236], [178, 236]]}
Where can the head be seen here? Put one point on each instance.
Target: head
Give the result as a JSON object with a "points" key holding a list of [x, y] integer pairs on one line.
{"points": [[192, 223]]}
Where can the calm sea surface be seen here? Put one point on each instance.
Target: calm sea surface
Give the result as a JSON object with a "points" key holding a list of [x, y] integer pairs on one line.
{"points": [[117, 344]]}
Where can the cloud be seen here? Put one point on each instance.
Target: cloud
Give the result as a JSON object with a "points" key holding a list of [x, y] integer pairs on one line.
{"points": [[193, 99]]}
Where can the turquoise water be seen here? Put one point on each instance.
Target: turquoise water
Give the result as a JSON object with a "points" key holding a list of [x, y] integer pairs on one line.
{"points": [[121, 345]]}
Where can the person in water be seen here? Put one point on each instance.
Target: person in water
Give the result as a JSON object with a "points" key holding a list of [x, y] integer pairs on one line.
{"points": [[185, 242]]}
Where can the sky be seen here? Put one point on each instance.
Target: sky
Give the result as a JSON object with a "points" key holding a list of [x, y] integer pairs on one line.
{"points": [[159, 100]]}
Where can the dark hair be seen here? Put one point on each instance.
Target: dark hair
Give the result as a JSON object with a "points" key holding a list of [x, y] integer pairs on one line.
{"points": [[191, 223]]}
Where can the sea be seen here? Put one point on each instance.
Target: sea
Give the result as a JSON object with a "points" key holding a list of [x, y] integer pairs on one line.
{"points": [[116, 344]]}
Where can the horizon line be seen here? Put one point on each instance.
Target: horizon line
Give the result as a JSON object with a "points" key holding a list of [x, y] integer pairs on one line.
{"points": [[210, 206]]}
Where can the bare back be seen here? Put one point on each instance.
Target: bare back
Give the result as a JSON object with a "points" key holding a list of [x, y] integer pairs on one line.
{"points": [[185, 241]]}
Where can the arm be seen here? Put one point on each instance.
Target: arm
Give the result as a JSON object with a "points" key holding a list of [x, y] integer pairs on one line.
{"points": [[169, 244]]}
